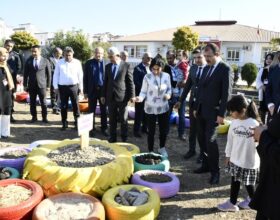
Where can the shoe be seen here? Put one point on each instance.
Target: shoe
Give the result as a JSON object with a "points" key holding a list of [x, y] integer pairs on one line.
{"points": [[245, 203], [112, 140], [201, 170], [189, 155], [214, 179], [4, 137], [182, 137], [228, 207], [105, 133], [137, 134], [163, 152], [64, 125], [45, 120], [12, 120], [33, 120], [199, 159], [75, 125], [91, 133]]}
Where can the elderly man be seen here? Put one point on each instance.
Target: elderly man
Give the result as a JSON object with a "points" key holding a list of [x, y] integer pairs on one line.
{"points": [[138, 75], [117, 91], [68, 81], [124, 56], [93, 85]]}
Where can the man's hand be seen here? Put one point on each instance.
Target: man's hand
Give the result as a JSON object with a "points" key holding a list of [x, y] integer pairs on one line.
{"points": [[102, 99], [227, 161], [85, 96], [271, 109], [56, 91], [25, 89], [166, 97], [220, 120], [194, 114], [177, 105], [257, 132], [135, 99]]}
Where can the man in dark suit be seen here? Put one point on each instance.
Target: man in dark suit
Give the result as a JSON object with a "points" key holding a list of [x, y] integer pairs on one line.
{"points": [[15, 65], [118, 90], [37, 78], [214, 90], [138, 75], [192, 85], [93, 85]]}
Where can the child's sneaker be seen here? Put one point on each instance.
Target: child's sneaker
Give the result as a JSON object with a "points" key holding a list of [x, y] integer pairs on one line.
{"points": [[228, 207], [245, 203], [163, 152]]}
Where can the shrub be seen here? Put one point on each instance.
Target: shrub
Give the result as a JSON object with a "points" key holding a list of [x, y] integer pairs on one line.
{"points": [[249, 73]]}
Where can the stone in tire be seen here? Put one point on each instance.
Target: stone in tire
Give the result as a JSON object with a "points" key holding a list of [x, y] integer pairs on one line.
{"points": [[116, 211], [97, 214], [14, 174], [164, 165], [165, 190], [24, 209]]}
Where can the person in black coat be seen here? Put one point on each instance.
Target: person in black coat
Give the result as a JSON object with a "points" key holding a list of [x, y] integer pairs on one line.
{"points": [[37, 78], [138, 75], [266, 199]]}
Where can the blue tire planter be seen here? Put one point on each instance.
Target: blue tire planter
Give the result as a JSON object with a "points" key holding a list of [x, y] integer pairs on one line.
{"points": [[14, 174], [172, 118], [165, 190], [164, 165], [14, 163]]}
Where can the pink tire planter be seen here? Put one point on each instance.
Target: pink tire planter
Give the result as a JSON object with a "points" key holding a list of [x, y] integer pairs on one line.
{"points": [[131, 112], [165, 190]]}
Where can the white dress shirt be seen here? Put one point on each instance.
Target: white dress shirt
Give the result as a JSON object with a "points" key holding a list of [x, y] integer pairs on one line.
{"points": [[68, 73]]}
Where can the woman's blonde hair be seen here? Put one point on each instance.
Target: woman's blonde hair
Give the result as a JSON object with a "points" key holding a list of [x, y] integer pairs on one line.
{"points": [[276, 59]]}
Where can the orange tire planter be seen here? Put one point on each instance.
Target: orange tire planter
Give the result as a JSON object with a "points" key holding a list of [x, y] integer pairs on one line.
{"points": [[24, 209], [21, 97], [83, 105], [97, 214]]}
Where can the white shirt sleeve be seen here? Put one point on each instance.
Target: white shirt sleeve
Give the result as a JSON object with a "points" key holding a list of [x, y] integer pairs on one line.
{"points": [[56, 76], [229, 142], [144, 89], [259, 83]]}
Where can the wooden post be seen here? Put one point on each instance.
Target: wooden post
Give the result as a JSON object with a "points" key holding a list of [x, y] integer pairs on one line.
{"points": [[84, 140], [85, 124]]}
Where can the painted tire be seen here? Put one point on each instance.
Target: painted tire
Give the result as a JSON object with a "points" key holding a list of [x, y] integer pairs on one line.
{"points": [[131, 112], [97, 110], [21, 97], [14, 173], [164, 165], [115, 211], [98, 212], [223, 129], [41, 142], [24, 209], [14, 163], [83, 105], [165, 190], [133, 149], [187, 122], [56, 179], [172, 118]]}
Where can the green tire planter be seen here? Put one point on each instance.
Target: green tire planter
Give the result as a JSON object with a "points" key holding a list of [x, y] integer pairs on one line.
{"points": [[164, 165]]}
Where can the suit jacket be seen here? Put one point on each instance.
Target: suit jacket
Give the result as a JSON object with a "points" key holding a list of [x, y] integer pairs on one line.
{"points": [[190, 86], [138, 75], [14, 63], [40, 77], [213, 93], [91, 78], [168, 70], [272, 91], [120, 89]]}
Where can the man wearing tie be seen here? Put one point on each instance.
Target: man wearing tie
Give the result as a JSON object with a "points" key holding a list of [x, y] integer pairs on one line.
{"points": [[214, 90], [118, 89], [138, 75], [192, 85], [93, 85], [37, 78]]}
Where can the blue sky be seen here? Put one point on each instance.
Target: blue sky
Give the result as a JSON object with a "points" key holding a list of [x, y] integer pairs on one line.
{"points": [[132, 16]]}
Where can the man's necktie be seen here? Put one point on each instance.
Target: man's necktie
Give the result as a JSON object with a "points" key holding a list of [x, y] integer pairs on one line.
{"points": [[114, 71], [198, 74], [36, 64], [209, 73]]}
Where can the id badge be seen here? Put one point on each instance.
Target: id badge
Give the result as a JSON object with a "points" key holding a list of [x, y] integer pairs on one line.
{"points": [[157, 99], [5, 82]]}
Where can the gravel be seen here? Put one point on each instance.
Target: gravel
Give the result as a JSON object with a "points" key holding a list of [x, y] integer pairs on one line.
{"points": [[73, 156], [14, 154]]}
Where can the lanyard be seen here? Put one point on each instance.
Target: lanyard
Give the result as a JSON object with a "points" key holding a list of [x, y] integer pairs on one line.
{"points": [[158, 85]]}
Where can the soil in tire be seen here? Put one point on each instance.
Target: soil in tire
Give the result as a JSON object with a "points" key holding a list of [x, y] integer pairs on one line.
{"points": [[156, 178], [148, 159]]}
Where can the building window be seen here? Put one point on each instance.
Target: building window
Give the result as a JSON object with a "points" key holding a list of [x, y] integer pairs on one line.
{"points": [[140, 50], [130, 49], [233, 54], [265, 51]]}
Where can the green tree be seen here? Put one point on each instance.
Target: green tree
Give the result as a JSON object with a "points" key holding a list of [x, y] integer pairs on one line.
{"points": [[249, 73], [275, 43], [104, 45], [235, 71], [23, 40], [184, 38], [2, 42], [75, 39]]}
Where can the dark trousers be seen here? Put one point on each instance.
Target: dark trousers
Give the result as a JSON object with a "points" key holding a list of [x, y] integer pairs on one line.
{"points": [[41, 92], [181, 113], [92, 102], [140, 117], [193, 131], [67, 92], [118, 110], [234, 190], [207, 140], [260, 216], [163, 122]]}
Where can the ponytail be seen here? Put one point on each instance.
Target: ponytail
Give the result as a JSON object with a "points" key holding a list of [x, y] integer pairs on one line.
{"points": [[252, 111]]}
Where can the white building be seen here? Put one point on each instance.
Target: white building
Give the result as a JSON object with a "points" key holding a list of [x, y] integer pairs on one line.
{"points": [[5, 30], [239, 44]]}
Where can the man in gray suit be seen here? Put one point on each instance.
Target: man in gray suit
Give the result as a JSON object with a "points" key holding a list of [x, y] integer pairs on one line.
{"points": [[118, 89], [37, 78], [192, 85], [214, 90]]}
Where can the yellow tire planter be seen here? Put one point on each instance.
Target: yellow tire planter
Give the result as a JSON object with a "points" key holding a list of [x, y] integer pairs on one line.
{"points": [[133, 149], [56, 179], [223, 129], [116, 211]]}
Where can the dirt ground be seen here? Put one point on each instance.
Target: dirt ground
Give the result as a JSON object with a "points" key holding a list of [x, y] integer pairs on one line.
{"points": [[196, 199]]}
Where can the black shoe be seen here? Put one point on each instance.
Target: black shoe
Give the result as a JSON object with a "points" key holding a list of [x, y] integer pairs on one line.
{"points": [[137, 134], [201, 170], [4, 137], [91, 133], [45, 120], [56, 111], [12, 120], [33, 120], [199, 159], [182, 137], [215, 178], [76, 125], [105, 133], [189, 155], [112, 140], [64, 125]]}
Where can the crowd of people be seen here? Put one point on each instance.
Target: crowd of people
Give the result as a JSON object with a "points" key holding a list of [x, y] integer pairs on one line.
{"points": [[157, 88]]}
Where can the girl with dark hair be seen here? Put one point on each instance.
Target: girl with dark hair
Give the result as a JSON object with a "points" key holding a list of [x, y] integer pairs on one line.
{"points": [[261, 83], [242, 159]]}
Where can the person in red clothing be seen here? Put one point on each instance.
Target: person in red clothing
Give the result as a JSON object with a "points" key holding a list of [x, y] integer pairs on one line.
{"points": [[183, 65]]}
